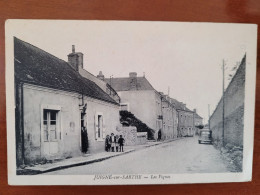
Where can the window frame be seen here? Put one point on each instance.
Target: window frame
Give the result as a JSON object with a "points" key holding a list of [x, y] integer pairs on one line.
{"points": [[57, 109]]}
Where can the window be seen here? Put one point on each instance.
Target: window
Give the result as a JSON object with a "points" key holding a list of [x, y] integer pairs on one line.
{"points": [[100, 127], [50, 125]]}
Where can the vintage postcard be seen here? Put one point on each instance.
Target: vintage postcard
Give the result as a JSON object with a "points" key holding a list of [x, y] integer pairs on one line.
{"points": [[129, 102]]}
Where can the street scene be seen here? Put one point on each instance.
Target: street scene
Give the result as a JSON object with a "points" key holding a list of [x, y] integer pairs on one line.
{"points": [[148, 103]]}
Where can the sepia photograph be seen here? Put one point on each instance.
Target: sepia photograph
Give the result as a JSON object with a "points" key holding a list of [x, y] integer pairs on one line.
{"points": [[129, 102]]}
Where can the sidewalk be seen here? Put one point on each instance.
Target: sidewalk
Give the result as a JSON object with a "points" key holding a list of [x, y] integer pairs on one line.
{"points": [[83, 160]]}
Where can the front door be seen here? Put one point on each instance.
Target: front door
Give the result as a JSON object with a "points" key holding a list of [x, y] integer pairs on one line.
{"points": [[50, 134]]}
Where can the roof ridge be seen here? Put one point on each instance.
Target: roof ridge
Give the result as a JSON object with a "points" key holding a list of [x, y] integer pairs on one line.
{"points": [[36, 49], [44, 51]]}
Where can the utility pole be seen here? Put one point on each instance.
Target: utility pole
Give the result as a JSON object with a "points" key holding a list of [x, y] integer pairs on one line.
{"points": [[223, 99]]}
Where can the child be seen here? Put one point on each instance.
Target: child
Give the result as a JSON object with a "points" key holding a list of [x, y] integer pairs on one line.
{"points": [[121, 141], [116, 142]]}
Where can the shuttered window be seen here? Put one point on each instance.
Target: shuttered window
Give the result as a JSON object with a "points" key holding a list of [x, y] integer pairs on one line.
{"points": [[100, 127]]}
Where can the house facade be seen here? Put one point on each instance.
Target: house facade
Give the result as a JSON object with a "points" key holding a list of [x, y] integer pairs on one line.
{"points": [[59, 113], [140, 98], [170, 120]]}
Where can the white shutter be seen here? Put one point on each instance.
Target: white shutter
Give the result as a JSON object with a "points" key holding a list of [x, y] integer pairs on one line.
{"points": [[104, 128], [96, 126]]}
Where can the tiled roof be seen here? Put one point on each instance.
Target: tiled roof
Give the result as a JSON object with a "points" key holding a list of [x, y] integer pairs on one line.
{"points": [[124, 83], [35, 66], [179, 106]]}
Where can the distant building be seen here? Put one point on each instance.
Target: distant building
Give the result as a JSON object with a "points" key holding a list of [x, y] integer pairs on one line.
{"points": [[140, 98], [170, 118], [185, 119], [59, 113]]}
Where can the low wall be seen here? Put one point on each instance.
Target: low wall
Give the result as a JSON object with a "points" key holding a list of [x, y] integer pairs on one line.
{"points": [[141, 138]]}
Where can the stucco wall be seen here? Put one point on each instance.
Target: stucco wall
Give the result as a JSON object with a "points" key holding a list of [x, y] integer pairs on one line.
{"points": [[142, 104], [111, 122], [233, 112], [69, 133], [91, 77]]}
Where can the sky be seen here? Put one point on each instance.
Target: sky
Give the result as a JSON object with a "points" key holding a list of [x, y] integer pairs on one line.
{"points": [[185, 58]]}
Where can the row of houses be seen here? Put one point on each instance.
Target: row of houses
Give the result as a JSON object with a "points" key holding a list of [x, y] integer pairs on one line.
{"points": [[62, 109]]}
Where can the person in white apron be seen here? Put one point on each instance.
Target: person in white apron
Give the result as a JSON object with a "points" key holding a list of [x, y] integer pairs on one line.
{"points": [[112, 141]]}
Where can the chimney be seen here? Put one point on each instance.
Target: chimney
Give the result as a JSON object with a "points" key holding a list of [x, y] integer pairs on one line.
{"points": [[101, 76], [133, 80], [132, 74], [195, 110], [75, 59]]}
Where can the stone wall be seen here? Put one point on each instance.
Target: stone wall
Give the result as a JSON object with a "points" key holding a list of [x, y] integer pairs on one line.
{"points": [[232, 145], [233, 112]]}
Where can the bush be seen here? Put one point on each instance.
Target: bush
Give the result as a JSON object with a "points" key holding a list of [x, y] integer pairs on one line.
{"points": [[128, 119]]}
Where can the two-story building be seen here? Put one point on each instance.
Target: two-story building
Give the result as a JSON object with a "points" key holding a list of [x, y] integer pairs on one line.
{"points": [[185, 119], [170, 118], [140, 98]]}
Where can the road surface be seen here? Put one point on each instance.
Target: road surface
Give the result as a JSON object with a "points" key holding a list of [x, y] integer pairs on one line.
{"points": [[180, 156]]}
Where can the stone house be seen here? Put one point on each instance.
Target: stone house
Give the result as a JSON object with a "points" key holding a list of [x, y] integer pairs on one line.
{"points": [[54, 105]]}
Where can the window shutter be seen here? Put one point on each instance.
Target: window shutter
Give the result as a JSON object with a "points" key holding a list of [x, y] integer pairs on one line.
{"points": [[96, 126], [104, 128]]}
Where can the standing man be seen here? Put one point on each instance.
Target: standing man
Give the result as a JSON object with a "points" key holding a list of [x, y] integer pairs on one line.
{"points": [[159, 135]]}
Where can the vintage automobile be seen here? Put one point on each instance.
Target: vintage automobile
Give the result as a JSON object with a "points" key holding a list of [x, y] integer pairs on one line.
{"points": [[205, 136]]}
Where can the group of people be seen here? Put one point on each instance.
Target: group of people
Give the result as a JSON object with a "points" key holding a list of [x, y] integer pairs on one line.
{"points": [[114, 143]]}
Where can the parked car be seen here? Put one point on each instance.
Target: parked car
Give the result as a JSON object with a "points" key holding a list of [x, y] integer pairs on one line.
{"points": [[205, 136]]}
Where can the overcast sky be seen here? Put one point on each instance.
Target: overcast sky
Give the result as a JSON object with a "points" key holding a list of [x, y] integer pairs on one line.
{"points": [[186, 57]]}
